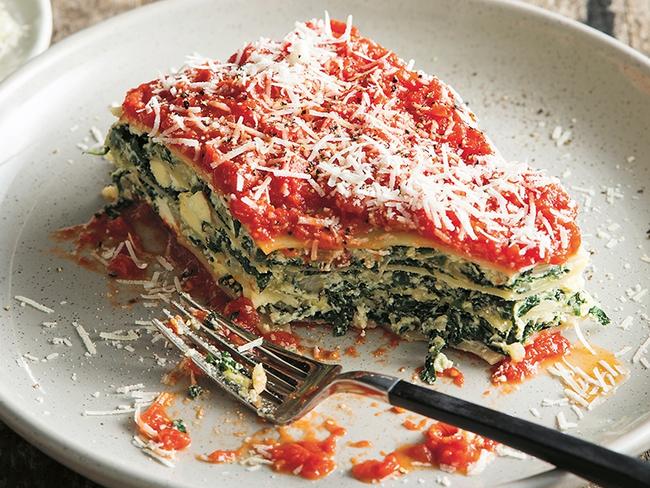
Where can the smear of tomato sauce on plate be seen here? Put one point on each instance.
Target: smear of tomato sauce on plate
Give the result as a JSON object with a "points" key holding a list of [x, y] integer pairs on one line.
{"points": [[443, 446], [546, 347], [321, 354], [359, 444], [220, 456], [351, 351], [454, 374], [308, 456], [104, 232], [150, 237], [155, 424], [412, 425]]}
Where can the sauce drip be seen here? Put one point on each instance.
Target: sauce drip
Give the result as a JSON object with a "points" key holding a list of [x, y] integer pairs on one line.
{"points": [[444, 446], [592, 377], [321, 354], [351, 351], [139, 224], [96, 244], [308, 457], [546, 347], [222, 456], [359, 444], [156, 425], [412, 425], [454, 374]]}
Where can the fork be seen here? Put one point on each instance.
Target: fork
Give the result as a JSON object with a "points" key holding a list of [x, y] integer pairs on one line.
{"points": [[295, 384]]}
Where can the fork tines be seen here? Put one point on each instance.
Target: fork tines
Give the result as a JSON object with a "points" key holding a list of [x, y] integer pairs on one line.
{"points": [[229, 355]]}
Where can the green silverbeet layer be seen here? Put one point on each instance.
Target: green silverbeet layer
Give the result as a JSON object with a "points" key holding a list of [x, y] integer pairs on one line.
{"points": [[401, 288]]}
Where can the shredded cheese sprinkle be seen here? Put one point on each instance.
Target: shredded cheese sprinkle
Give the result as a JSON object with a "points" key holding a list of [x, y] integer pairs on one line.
{"points": [[85, 338], [32, 303], [350, 138]]}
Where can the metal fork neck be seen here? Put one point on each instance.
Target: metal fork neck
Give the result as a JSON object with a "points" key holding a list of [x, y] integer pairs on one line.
{"points": [[364, 383]]}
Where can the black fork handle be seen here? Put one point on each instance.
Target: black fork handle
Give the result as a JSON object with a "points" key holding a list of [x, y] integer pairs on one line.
{"points": [[585, 459]]}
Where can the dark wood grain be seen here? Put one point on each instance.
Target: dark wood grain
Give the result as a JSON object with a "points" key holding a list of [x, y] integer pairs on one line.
{"points": [[24, 466], [600, 15]]}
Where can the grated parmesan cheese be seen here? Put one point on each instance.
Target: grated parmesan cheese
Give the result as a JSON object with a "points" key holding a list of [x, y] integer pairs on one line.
{"points": [[396, 169], [581, 338], [131, 335], [641, 350], [578, 412], [164, 263], [85, 338], [106, 413], [625, 324], [35, 383], [129, 388], [150, 449], [562, 422], [505, 451], [134, 257], [623, 351], [250, 345], [32, 303]]}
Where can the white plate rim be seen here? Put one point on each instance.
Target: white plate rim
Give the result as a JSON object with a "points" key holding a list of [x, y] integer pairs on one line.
{"points": [[44, 36], [107, 471]]}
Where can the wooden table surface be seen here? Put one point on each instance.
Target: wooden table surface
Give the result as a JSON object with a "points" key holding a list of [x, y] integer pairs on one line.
{"points": [[22, 465]]}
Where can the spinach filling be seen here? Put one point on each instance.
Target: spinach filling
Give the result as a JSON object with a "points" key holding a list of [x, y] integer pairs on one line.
{"points": [[400, 290]]}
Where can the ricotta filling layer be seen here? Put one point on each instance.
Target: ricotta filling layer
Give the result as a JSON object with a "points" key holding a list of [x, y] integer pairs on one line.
{"points": [[417, 292]]}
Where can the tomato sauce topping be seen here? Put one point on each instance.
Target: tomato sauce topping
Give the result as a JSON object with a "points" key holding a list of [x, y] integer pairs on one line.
{"points": [[444, 446], [350, 139], [547, 346]]}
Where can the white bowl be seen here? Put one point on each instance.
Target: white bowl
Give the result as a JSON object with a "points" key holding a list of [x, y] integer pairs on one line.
{"points": [[36, 17]]}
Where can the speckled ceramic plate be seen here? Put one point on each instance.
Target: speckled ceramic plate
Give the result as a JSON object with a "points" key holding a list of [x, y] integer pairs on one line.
{"points": [[34, 17], [523, 71]]}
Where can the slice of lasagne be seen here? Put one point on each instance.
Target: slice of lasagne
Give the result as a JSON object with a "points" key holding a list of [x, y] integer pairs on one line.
{"points": [[324, 179]]}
